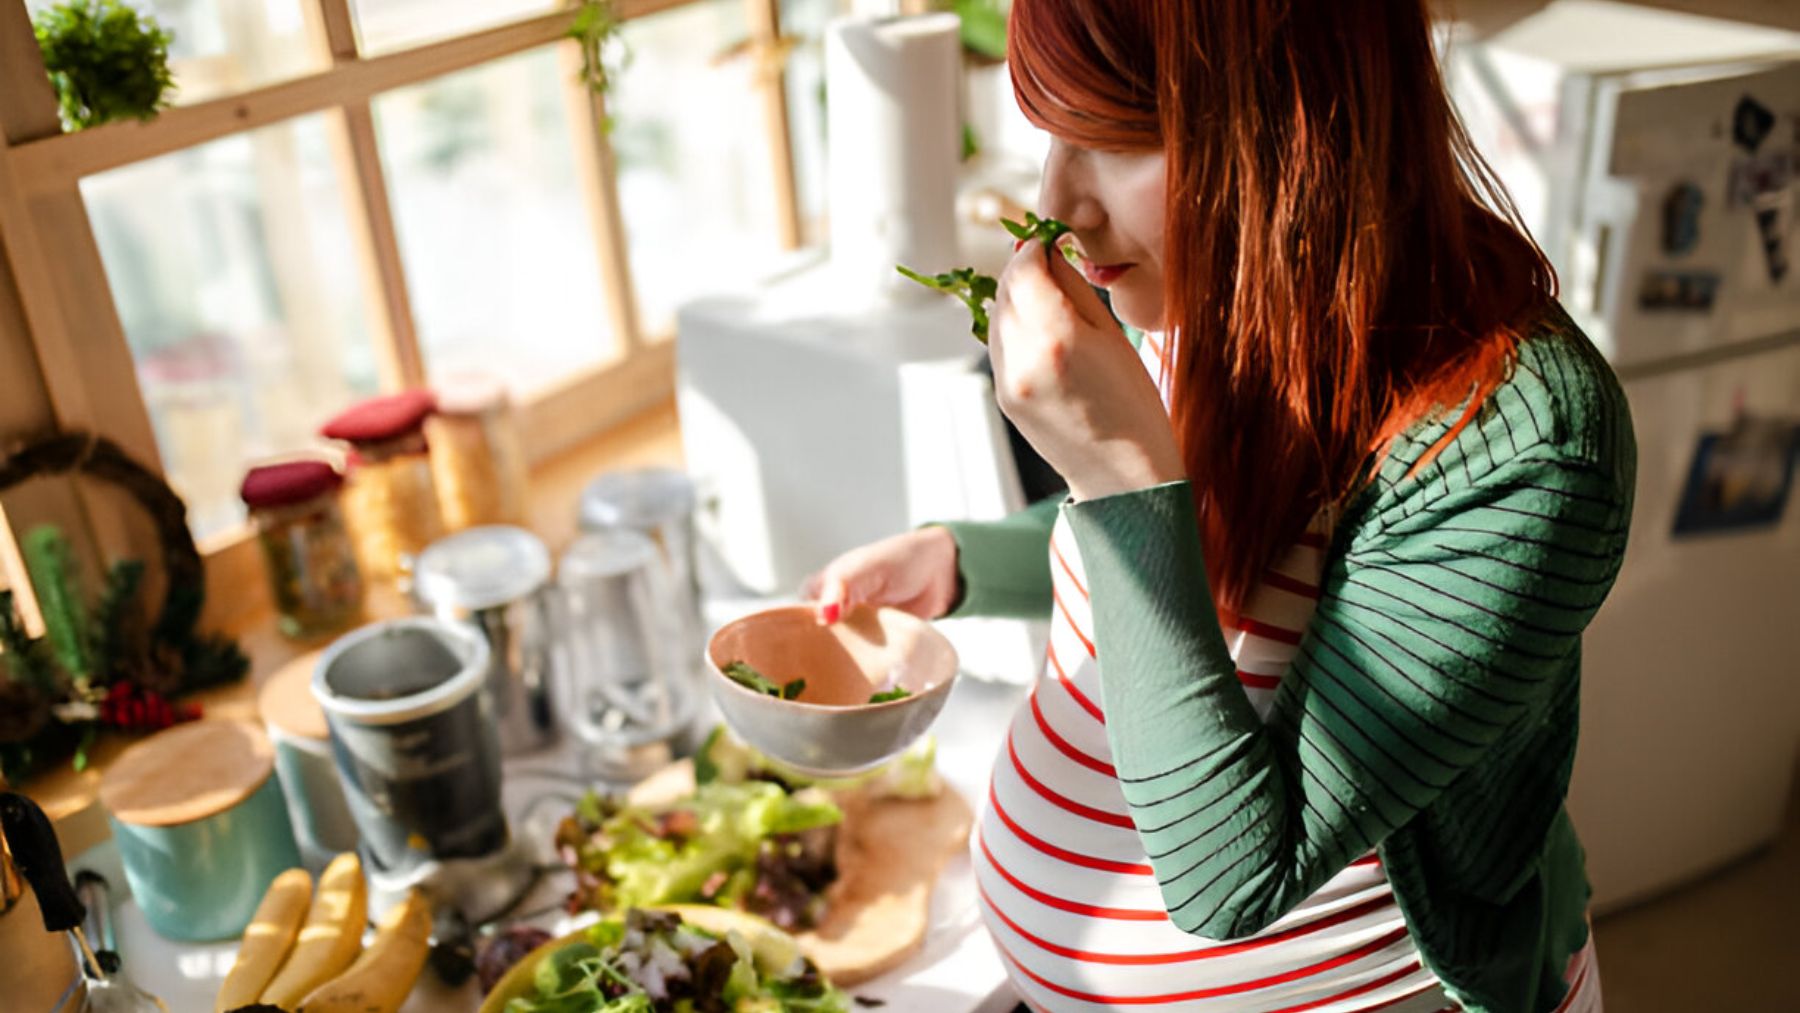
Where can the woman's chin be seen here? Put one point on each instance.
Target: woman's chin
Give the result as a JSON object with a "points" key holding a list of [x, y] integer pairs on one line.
{"points": [[1133, 306]]}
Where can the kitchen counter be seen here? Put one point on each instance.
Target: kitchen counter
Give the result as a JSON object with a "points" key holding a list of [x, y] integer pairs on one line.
{"points": [[957, 970]]}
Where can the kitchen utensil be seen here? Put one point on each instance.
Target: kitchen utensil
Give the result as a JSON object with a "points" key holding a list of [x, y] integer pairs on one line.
{"points": [[497, 580], [658, 503], [631, 695], [413, 732], [832, 729]]}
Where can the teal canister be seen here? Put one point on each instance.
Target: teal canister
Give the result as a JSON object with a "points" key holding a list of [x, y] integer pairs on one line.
{"points": [[201, 826]]}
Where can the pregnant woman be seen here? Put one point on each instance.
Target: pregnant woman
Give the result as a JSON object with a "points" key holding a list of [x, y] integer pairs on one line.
{"points": [[1343, 495]]}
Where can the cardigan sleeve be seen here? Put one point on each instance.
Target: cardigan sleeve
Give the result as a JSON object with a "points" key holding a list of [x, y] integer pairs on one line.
{"points": [[1003, 566], [1433, 637]]}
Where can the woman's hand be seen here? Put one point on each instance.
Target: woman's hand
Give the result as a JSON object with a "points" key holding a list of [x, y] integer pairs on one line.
{"points": [[914, 572], [1067, 376]]}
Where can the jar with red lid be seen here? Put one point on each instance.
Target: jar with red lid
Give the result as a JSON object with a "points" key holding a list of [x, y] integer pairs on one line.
{"points": [[299, 521], [477, 458], [390, 500]]}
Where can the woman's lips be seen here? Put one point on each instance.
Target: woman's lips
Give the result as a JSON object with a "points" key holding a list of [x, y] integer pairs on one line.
{"points": [[1104, 275]]}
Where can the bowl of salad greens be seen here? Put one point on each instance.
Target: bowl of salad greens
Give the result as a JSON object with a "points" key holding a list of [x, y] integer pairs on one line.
{"points": [[668, 960], [830, 699]]}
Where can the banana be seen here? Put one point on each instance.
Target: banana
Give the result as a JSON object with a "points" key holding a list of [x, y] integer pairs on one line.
{"points": [[380, 979], [266, 940], [331, 937]]}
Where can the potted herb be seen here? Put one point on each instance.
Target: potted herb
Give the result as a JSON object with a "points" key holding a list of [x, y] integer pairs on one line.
{"points": [[106, 60]]}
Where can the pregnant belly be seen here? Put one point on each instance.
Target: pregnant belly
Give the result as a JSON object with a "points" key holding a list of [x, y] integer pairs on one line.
{"points": [[1075, 908]]}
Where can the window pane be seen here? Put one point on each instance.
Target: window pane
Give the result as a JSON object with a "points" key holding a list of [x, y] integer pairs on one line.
{"points": [[494, 226], [693, 158], [384, 25], [235, 276], [222, 47], [803, 21]]}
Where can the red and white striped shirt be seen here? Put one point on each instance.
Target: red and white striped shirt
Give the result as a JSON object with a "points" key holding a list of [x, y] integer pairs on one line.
{"points": [[1071, 899]]}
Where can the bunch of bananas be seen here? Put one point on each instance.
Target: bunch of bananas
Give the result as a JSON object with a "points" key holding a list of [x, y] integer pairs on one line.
{"points": [[303, 950]]}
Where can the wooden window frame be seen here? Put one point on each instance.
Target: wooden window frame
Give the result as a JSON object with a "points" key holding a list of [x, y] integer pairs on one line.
{"points": [[64, 359]]}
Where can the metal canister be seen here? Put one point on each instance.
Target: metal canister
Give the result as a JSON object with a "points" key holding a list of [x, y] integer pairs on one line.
{"points": [[496, 579], [413, 735]]}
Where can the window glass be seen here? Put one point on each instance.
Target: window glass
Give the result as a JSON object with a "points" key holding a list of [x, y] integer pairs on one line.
{"points": [[495, 230], [235, 275]]}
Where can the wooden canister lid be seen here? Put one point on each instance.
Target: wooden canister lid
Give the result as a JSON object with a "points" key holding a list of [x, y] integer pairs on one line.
{"points": [[287, 703], [187, 773]]}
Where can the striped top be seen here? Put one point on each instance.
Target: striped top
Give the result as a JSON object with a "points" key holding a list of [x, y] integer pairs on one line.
{"points": [[1429, 706]]}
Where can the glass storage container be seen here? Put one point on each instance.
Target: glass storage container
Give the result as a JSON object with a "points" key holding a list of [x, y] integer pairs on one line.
{"points": [[299, 522], [390, 499], [477, 458]]}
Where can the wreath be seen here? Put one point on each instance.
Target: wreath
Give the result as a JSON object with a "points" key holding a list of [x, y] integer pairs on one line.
{"points": [[103, 664]]}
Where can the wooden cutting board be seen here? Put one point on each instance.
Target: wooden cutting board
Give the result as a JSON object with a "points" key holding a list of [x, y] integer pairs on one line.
{"points": [[890, 852]]}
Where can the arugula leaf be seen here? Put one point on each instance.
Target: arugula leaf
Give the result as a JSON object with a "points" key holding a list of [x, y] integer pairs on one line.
{"points": [[897, 693], [746, 676], [975, 290], [1045, 230]]}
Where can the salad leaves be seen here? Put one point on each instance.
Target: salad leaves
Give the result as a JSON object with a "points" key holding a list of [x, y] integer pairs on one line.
{"points": [[654, 962], [752, 845], [744, 675]]}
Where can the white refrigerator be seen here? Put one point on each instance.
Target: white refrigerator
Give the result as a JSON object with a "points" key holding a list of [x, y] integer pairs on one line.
{"points": [[1657, 158]]}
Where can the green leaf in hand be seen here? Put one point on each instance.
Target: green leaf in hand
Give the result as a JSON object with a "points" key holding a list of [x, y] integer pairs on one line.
{"points": [[1044, 230], [975, 290]]}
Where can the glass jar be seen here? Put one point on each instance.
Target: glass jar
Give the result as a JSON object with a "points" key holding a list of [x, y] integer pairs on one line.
{"points": [[390, 500], [312, 566], [477, 457]]}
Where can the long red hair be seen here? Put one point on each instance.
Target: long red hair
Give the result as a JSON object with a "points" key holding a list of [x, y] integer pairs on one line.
{"points": [[1339, 263]]}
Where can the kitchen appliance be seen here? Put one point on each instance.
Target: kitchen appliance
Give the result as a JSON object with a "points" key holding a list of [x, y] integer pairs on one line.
{"points": [[413, 729], [658, 503], [1655, 157], [633, 686], [496, 579]]}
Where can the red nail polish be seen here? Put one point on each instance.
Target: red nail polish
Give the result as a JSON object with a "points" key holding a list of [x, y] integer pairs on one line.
{"points": [[831, 612], [1018, 244]]}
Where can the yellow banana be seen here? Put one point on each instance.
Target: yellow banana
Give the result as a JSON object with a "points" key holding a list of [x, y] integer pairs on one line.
{"points": [[331, 938], [266, 940], [381, 978]]}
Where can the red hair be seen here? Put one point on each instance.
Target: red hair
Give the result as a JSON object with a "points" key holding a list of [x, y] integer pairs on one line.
{"points": [[1339, 263]]}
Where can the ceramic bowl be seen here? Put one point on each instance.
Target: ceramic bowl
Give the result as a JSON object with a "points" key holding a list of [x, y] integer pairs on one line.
{"points": [[832, 729]]}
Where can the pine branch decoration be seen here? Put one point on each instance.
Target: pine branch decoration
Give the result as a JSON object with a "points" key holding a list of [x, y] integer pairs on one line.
{"points": [[51, 564]]}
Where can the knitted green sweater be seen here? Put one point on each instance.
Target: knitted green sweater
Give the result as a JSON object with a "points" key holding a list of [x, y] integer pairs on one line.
{"points": [[1431, 710]]}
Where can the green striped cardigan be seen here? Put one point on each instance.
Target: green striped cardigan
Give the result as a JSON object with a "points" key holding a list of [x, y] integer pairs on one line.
{"points": [[1431, 710]]}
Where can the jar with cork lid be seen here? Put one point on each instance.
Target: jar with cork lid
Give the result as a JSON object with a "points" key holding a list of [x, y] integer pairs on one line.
{"points": [[299, 522], [390, 498], [477, 457]]}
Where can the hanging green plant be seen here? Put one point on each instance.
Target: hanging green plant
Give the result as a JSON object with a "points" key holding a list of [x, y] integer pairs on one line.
{"points": [[107, 61], [603, 53]]}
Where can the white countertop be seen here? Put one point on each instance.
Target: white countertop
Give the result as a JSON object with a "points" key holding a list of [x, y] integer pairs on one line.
{"points": [[957, 971]]}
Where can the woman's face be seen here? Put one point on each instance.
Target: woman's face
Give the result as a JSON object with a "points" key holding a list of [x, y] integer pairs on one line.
{"points": [[1113, 201]]}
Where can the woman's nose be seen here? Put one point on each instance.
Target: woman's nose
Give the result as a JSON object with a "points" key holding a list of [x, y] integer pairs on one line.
{"points": [[1064, 193]]}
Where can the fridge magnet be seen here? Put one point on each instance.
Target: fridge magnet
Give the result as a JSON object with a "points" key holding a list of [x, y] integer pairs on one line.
{"points": [[1768, 227], [1678, 290], [1681, 218], [1739, 479], [1751, 121], [1755, 175]]}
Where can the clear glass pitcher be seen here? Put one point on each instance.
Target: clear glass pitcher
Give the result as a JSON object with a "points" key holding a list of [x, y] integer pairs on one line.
{"points": [[632, 692]]}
